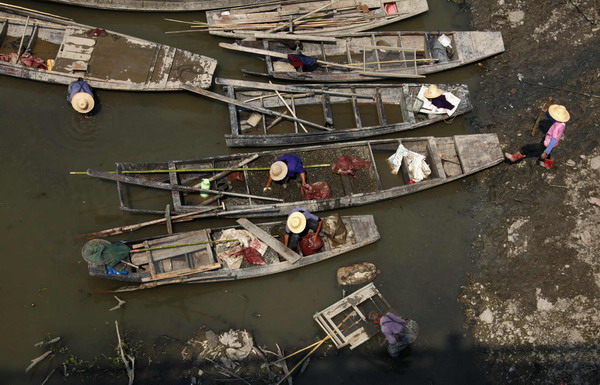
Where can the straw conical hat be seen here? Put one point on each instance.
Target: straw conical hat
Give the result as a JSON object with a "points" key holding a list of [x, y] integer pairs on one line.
{"points": [[296, 222], [82, 102], [559, 113], [278, 170], [432, 91]]}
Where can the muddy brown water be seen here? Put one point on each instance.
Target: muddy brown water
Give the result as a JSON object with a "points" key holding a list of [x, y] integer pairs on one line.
{"points": [[424, 254]]}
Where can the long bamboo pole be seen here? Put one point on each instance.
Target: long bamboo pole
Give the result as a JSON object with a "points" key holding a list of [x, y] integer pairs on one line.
{"points": [[180, 245], [194, 170], [34, 11]]}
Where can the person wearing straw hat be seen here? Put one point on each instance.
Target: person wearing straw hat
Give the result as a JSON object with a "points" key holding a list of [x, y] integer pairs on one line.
{"points": [[299, 223], [437, 98], [286, 167], [558, 116], [81, 96]]}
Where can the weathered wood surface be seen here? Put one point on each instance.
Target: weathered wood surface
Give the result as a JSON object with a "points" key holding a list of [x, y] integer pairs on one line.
{"points": [[149, 279], [164, 5], [284, 251], [105, 59], [376, 97], [356, 303], [404, 53], [473, 153], [334, 19]]}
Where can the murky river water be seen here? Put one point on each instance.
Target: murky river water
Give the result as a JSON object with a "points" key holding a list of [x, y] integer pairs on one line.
{"points": [[423, 254]]}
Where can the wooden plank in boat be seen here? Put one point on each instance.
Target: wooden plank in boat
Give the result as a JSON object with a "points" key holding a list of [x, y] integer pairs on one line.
{"points": [[159, 255], [183, 272], [475, 151], [436, 162], [80, 42], [267, 238]]}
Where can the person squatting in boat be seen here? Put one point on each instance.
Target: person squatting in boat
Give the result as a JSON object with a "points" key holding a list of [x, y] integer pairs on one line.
{"points": [[558, 116], [299, 223], [286, 167]]}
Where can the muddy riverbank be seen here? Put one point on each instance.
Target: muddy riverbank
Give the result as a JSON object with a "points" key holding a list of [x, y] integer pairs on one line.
{"points": [[534, 307]]}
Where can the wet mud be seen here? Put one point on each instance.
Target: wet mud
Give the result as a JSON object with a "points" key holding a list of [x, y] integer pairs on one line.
{"points": [[534, 305]]}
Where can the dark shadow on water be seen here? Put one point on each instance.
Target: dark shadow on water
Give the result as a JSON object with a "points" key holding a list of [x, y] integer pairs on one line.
{"points": [[162, 363]]}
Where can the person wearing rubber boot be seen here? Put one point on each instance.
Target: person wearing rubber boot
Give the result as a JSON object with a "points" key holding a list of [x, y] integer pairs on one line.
{"points": [[558, 116]]}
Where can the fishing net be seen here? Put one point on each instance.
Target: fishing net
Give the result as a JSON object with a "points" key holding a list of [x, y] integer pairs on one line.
{"points": [[309, 246], [317, 190], [252, 256], [100, 252], [347, 165]]}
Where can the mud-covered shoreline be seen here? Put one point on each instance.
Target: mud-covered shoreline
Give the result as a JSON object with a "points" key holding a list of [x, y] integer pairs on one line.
{"points": [[535, 305]]}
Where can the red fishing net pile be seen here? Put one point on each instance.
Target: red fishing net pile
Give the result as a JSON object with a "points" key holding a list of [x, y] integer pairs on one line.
{"points": [[310, 246], [348, 165], [252, 256], [318, 190]]}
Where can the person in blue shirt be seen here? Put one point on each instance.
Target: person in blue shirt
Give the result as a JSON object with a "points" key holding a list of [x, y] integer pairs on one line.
{"points": [[298, 224], [81, 96], [286, 167]]}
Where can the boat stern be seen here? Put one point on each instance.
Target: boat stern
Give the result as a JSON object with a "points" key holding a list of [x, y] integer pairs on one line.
{"points": [[477, 152]]}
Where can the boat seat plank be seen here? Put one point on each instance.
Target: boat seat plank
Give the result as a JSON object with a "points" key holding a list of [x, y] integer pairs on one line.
{"points": [[160, 75], [267, 238], [380, 108], [327, 111], [437, 168], [79, 42], [174, 179], [473, 151], [355, 109]]}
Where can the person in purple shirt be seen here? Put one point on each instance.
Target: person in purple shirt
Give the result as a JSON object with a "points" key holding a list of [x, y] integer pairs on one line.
{"points": [[81, 96], [298, 224], [396, 331], [286, 167]]}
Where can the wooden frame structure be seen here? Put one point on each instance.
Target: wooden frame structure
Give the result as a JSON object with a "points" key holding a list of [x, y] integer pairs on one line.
{"points": [[347, 322]]}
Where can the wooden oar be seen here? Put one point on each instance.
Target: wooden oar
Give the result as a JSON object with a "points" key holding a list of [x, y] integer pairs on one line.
{"points": [[171, 187], [122, 229], [545, 107], [251, 107], [265, 52], [305, 15], [288, 107]]}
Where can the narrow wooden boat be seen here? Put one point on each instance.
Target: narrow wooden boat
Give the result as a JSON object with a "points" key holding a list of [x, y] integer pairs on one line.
{"points": [[373, 55], [65, 51], [322, 17], [192, 257], [263, 114], [163, 5], [173, 182]]}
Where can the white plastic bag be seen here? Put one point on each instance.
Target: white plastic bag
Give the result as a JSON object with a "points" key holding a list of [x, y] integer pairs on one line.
{"points": [[418, 169]]}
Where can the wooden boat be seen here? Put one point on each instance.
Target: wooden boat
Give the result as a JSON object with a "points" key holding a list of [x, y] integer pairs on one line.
{"points": [[163, 5], [263, 114], [449, 158], [106, 60], [191, 257], [373, 55], [330, 18]]}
